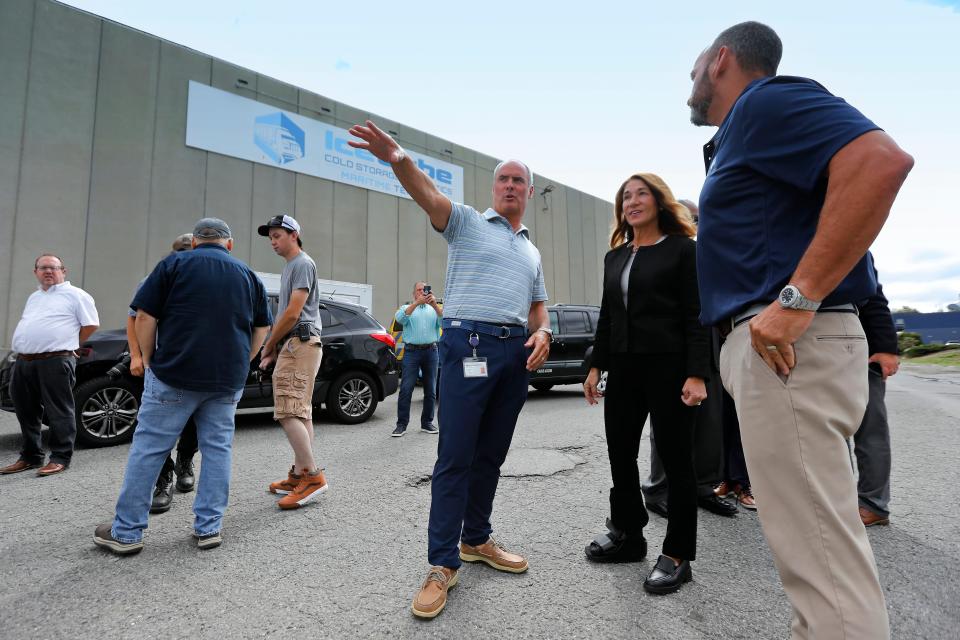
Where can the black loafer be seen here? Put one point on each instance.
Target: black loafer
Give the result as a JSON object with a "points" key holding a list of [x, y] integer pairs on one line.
{"points": [[667, 577], [717, 505], [658, 507], [616, 546]]}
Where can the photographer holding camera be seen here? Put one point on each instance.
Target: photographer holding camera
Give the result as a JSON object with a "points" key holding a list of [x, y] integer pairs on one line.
{"points": [[421, 332], [295, 346]]}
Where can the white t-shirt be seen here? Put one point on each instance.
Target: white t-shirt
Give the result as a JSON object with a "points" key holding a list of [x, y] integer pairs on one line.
{"points": [[52, 319]]}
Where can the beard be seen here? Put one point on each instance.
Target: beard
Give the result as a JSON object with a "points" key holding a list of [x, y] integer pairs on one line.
{"points": [[699, 105]]}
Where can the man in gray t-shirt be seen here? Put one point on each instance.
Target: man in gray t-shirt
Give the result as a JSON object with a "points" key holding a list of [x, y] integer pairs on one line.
{"points": [[294, 345], [301, 273]]}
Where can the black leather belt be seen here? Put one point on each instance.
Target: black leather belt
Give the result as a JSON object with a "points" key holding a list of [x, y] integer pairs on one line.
{"points": [[502, 331], [731, 323], [45, 356], [416, 347]]}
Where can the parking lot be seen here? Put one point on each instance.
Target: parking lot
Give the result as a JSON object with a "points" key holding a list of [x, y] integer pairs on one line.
{"points": [[350, 565]]}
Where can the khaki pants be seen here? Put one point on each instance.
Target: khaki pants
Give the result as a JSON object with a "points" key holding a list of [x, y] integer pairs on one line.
{"points": [[293, 378], [794, 437]]}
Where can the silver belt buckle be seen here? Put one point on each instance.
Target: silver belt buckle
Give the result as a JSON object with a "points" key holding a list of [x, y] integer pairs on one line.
{"points": [[505, 332]]}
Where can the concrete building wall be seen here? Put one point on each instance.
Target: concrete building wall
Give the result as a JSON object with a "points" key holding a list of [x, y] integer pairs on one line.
{"points": [[94, 168]]}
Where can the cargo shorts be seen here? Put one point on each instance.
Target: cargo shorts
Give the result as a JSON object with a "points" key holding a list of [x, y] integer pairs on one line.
{"points": [[293, 378]]}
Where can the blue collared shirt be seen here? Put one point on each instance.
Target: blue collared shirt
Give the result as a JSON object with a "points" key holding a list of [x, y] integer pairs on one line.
{"points": [[494, 273], [420, 327], [207, 304], [765, 187]]}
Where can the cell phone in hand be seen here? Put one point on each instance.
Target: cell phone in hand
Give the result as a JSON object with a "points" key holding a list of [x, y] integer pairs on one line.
{"points": [[426, 289]]}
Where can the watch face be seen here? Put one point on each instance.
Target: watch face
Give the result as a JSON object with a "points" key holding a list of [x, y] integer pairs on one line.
{"points": [[787, 296]]}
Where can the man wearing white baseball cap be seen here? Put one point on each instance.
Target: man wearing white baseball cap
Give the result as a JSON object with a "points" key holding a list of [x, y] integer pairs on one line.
{"points": [[294, 345]]}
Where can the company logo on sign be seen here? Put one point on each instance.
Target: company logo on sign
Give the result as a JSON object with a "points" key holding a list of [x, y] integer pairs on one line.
{"points": [[231, 125], [279, 138]]}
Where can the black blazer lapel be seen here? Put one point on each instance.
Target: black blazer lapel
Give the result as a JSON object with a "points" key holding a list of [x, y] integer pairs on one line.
{"points": [[617, 262]]}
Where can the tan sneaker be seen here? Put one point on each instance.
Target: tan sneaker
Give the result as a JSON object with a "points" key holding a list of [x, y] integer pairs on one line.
{"points": [[432, 597], [310, 487], [288, 484], [494, 555]]}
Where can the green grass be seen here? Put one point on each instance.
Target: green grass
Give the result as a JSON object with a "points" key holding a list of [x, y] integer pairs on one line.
{"points": [[949, 358]]}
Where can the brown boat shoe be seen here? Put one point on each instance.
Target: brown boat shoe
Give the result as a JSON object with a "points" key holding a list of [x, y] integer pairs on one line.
{"points": [[17, 467], [494, 555], [432, 597]]}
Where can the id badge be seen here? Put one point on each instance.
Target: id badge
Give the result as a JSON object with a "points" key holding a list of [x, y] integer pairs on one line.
{"points": [[474, 367]]}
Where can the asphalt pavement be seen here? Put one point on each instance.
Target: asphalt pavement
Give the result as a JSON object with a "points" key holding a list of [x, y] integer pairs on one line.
{"points": [[349, 565]]}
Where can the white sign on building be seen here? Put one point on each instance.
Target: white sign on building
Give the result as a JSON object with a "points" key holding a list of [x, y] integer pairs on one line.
{"points": [[235, 126]]}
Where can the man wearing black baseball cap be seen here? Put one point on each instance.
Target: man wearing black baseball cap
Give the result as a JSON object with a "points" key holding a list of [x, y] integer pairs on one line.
{"points": [[294, 345], [282, 221]]}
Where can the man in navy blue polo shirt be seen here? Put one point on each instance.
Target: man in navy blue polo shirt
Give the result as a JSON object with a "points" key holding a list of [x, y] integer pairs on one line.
{"points": [[494, 294], [202, 315], [798, 185]]}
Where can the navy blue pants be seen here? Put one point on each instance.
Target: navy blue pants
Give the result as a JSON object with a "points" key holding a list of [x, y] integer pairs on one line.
{"points": [[478, 417]]}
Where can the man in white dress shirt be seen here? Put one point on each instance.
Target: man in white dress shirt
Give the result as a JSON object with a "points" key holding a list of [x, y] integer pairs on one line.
{"points": [[57, 319]]}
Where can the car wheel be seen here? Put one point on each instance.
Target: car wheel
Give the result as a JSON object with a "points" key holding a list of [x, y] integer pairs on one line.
{"points": [[542, 386], [107, 410], [352, 398]]}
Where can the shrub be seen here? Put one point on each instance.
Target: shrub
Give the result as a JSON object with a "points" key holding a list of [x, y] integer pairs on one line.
{"points": [[907, 339], [924, 349]]}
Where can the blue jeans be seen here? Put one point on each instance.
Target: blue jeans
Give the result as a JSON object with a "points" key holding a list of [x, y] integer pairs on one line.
{"points": [[163, 412], [413, 361]]}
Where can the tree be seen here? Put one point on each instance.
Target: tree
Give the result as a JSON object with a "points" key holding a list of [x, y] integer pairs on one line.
{"points": [[905, 309], [953, 307]]}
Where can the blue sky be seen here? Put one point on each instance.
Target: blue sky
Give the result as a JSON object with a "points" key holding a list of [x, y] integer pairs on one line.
{"points": [[588, 93]]}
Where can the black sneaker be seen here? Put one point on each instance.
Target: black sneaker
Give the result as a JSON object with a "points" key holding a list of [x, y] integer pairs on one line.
{"points": [[398, 432], [103, 537], [430, 429], [209, 541], [162, 494], [185, 476]]}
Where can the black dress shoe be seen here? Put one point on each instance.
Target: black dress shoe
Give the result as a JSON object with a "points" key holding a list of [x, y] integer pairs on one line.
{"points": [[717, 505], [616, 545], [185, 478], [667, 577], [658, 507], [163, 494]]}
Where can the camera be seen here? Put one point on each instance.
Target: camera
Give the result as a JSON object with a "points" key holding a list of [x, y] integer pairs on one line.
{"points": [[120, 369], [426, 289]]}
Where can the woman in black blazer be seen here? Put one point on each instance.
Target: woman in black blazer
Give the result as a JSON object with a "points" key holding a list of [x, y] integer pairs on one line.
{"points": [[657, 356]]}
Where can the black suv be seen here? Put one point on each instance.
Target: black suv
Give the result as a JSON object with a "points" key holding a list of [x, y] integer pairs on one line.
{"points": [[574, 326], [358, 370]]}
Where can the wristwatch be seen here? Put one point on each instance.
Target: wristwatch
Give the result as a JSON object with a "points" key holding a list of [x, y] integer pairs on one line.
{"points": [[401, 154], [548, 331], [791, 298]]}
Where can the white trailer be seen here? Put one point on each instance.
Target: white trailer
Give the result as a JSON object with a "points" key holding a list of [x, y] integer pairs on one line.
{"points": [[355, 292]]}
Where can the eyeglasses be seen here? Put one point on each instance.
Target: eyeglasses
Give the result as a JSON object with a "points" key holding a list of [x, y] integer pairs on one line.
{"points": [[45, 268]]}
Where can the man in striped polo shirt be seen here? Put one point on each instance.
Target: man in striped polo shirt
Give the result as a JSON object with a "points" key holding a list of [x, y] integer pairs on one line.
{"points": [[496, 331]]}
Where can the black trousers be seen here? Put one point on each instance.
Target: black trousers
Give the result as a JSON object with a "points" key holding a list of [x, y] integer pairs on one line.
{"points": [[708, 447], [40, 387], [186, 447], [735, 466], [637, 386]]}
